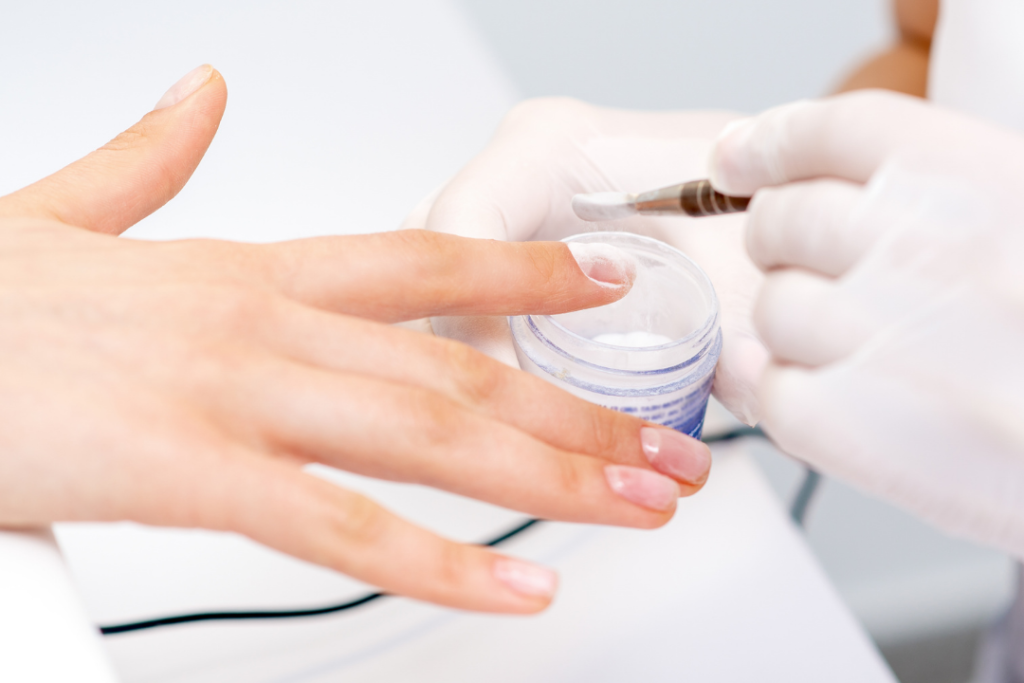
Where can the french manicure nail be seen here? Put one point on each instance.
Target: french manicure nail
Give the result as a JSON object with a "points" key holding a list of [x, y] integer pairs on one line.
{"points": [[189, 83], [676, 455], [642, 487], [525, 578], [606, 265]]}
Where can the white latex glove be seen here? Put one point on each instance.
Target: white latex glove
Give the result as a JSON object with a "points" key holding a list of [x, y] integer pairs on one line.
{"points": [[521, 187], [894, 301]]}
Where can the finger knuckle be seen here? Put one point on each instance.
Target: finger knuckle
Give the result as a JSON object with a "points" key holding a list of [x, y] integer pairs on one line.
{"points": [[418, 241], [438, 423], [430, 256], [358, 519], [235, 307], [478, 379], [571, 478], [133, 138], [609, 429], [234, 262], [546, 263], [453, 566], [222, 315], [442, 264]]}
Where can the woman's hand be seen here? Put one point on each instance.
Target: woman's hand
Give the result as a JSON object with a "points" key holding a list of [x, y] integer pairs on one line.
{"points": [[520, 188], [187, 383], [892, 238]]}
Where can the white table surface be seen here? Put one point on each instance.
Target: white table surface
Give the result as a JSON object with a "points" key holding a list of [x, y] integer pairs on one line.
{"points": [[726, 592], [341, 116], [45, 634]]}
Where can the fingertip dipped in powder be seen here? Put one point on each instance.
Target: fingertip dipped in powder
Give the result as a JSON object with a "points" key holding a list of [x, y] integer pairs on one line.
{"points": [[606, 265]]}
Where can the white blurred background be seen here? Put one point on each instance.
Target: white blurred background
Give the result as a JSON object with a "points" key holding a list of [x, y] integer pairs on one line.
{"points": [[669, 54], [923, 597]]}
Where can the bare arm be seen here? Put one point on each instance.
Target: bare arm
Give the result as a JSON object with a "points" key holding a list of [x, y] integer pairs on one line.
{"points": [[904, 66]]}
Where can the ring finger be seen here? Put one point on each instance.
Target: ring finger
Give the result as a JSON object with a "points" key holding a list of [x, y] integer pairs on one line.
{"points": [[404, 433]]}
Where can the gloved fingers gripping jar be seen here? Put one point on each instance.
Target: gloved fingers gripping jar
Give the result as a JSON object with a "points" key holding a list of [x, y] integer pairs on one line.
{"points": [[651, 354]]}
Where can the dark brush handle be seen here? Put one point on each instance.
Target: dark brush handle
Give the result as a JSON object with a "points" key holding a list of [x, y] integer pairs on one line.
{"points": [[695, 198]]}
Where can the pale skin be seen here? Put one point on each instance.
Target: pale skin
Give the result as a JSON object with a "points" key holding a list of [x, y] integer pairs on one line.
{"points": [[186, 383]]}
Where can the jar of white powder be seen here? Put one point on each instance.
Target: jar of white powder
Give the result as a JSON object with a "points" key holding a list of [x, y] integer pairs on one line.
{"points": [[651, 354]]}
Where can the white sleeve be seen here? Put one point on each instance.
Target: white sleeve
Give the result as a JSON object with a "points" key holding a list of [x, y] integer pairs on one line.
{"points": [[44, 632]]}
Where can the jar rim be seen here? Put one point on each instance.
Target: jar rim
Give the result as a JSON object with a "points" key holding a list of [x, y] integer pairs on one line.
{"points": [[703, 329], [696, 358]]}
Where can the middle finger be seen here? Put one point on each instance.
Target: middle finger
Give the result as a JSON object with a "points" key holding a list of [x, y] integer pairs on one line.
{"points": [[402, 433], [487, 387]]}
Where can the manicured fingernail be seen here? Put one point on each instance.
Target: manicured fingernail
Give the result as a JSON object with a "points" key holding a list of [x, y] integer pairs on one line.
{"points": [[675, 454], [189, 83], [606, 265], [525, 578], [643, 487]]}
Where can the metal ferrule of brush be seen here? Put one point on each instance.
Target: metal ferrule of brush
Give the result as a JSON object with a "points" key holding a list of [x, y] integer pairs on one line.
{"points": [[695, 198]]}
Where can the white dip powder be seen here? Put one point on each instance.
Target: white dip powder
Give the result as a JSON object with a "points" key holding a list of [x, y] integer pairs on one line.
{"points": [[634, 340], [604, 206]]}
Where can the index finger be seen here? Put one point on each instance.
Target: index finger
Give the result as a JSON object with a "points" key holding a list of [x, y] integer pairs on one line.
{"points": [[847, 137], [410, 274]]}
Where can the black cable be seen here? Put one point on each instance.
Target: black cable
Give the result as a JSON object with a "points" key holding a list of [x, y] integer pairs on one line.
{"points": [[808, 487], [733, 434], [114, 629], [220, 616], [802, 499], [798, 511]]}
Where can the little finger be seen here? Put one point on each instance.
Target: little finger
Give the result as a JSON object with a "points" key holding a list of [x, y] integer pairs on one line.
{"points": [[283, 507]]}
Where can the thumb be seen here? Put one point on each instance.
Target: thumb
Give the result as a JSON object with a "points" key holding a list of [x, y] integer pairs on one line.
{"points": [[137, 172]]}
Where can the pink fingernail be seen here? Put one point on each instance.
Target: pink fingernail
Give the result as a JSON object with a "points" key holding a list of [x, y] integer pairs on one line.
{"points": [[642, 487], [606, 265], [525, 578], [675, 454], [189, 83]]}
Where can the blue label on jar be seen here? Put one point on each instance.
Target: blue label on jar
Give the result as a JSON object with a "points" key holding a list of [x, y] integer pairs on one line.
{"points": [[682, 413]]}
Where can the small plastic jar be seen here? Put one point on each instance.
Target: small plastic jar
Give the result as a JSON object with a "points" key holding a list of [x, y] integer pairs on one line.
{"points": [[651, 354]]}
